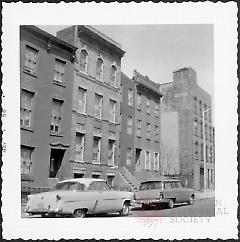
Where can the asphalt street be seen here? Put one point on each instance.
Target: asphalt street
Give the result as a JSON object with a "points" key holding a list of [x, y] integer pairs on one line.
{"points": [[200, 208]]}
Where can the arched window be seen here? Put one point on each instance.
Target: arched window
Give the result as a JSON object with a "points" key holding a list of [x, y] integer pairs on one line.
{"points": [[113, 75], [83, 60], [99, 69]]}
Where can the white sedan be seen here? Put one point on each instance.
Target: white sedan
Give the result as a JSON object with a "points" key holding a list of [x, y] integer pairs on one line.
{"points": [[78, 197]]}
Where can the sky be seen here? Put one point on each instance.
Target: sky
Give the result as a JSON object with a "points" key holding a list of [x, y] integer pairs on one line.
{"points": [[158, 50]]}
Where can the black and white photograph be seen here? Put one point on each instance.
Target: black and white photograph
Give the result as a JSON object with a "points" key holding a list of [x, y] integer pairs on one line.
{"points": [[124, 125]]}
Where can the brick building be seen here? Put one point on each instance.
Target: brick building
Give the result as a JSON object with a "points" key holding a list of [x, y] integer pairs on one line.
{"points": [[140, 130], [96, 103], [46, 82], [190, 101]]}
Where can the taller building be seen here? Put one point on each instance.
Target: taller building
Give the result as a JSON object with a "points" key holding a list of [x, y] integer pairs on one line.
{"points": [[140, 126], [188, 109], [46, 82], [96, 103]]}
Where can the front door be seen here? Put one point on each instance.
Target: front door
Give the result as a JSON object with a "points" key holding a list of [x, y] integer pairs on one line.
{"points": [[56, 157]]}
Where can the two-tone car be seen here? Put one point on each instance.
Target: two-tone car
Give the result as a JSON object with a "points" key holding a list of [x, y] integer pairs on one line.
{"points": [[163, 191], [78, 197]]}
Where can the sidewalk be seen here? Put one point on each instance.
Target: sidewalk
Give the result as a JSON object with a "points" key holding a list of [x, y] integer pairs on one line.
{"points": [[204, 194]]}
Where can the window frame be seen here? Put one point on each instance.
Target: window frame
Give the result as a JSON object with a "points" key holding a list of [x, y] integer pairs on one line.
{"points": [[57, 72], [82, 146], [149, 165], [113, 110], [85, 70], [99, 149], [53, 117], [113, 77], [130, 97], [24, 109], [101, 69], [31, 150], [129, 154], [84, 102], [156, 168], [27, 67], [129, 125], [98, 108]]}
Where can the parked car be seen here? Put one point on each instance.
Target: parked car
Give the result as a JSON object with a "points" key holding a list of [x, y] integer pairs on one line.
{"points": [[163, 191], [78, 197]]}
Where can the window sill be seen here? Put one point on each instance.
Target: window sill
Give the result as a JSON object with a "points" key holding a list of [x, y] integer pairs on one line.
{"points": [[26, 129], [157, 141], [79, 161], [56, 134], [110, 122], [139, 136], [81, 114], [58, 83], [96, 163], [29, 73]]}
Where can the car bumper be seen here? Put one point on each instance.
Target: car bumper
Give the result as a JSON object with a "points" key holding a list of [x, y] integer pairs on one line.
{"points": [[152, 201]]}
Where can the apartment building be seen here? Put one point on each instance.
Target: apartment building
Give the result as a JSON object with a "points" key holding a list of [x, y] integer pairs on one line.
{"points": [[140, 133], [195, 128], [46, 83], [95, 113]]}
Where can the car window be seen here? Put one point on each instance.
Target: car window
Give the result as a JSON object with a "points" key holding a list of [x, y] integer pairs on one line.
{"points": [[80, 187], [99, 186], [158, 185], [143, 186], [180, 185], [167, 185], [151, 185], [66, 186], [174, 184]]}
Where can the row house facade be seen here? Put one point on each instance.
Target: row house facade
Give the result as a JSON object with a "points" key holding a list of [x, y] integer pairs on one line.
{"points": [[195, 127], [46, 84], [140, 130], [95, 116]]}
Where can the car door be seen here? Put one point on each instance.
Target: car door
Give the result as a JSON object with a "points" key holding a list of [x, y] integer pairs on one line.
{"points": [[110, 199]]}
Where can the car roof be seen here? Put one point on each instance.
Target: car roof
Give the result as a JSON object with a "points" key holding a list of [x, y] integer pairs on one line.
{"points": [[85, 181], [161, 179]]}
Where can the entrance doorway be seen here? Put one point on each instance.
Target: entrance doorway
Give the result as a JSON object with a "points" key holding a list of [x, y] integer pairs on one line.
{"points": [[56, 157], [110, 180]]}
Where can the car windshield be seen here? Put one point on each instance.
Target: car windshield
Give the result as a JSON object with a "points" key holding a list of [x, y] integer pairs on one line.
{"points": [[70, 186]]}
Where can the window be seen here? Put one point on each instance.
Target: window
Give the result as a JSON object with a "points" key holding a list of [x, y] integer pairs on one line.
{"points": [[200, 108], [201, 151], [148, 106], [113, 75], [111, 152], [196, 150], [112, 111], [98, 105], [99, 69], [130, 97], [156, 110], [156, 161], [26, 160], [148, 130], [83, 61], [139, 128], [195, 105], [99, 186], [139, 97], [96, 148], [56, 116], [167, 185], [147, 160], [210, 134], [210, 114], [129, 156], [156, 133], [26, 108], [59, 70], [210, 154], [30, 64], [79, 147], [205, 114], [129, 125], [81, 100], [206, 157], [201, 129], [195, 126], [206, 129]]}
